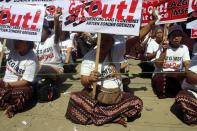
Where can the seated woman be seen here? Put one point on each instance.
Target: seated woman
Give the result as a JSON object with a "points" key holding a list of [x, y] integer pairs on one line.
{"points": [[83, 109], [171, 61], [186, 100], [21, 67]]}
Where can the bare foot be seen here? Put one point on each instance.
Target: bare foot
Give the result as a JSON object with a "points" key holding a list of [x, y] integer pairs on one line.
{"points": [[8, 112]]}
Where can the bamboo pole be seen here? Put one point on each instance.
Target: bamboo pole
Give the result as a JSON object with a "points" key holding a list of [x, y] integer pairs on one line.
{"points": [[96, 62], [2, 52]]}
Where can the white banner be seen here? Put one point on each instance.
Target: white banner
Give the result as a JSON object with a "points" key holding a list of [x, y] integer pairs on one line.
{"points": [[104, 16], [23, 22], [192, 15], [27, 1]]}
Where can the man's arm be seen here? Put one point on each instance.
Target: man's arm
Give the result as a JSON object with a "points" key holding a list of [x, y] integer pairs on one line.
{"points": [[57, 27]]}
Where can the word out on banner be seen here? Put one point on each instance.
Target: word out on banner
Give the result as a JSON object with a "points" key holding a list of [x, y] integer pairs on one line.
{"points": [[104, 16], [169, 10], [23, 22], [193, 33], [192, 15]]}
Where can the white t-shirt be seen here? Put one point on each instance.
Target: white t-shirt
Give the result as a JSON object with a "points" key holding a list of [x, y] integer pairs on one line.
{"points": [[193, 68], [21, 67], [48, 52], [174, 58], [152, 47], [64, 45], [104, 68]]}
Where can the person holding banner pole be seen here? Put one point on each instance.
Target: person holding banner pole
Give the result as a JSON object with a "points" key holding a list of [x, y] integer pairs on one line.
{"points": [[135, 48], [65, 43], [172, 60], [48, 52], [83, 109], [21, 69], [152, 46]]}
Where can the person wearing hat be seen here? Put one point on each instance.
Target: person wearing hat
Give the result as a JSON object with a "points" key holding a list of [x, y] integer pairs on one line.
{"points": [[172, 60], [21, 69], [83, 109]]}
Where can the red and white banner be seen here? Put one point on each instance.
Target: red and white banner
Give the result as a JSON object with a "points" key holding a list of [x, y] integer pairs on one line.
{"points": [[193, 33], [104, 16], [27, 1], [170, 11], [52, 7], [192, 15], [23, 22]]}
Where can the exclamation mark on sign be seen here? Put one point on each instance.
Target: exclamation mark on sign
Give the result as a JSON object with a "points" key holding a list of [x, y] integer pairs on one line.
{"points": [[36, 18], [132, 9]]}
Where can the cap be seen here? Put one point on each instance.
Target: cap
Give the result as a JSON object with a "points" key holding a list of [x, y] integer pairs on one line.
{"points": [[175, 28]]}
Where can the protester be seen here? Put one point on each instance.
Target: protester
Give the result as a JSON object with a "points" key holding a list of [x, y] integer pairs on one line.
{"points": [[171, 62], [153, 42], [186, 100], [21, 68], [84, 43], [135, 47], [48, 51], [66, 46], [82, 109]]}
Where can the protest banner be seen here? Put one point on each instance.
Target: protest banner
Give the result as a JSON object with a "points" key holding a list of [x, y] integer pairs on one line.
{"points": [[192, 15], [193, 33], [103, 16], [27, 1], [170, 10], [22, 22], [50, 8]]}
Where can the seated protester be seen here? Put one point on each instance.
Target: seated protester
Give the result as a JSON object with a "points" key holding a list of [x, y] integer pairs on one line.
{"points": [[186, 100], [154, 43], [62, 38], [84, 43], [135, 46], [171, 61], [83, 109], [21, 68], [48, 52], [150, 52]]}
